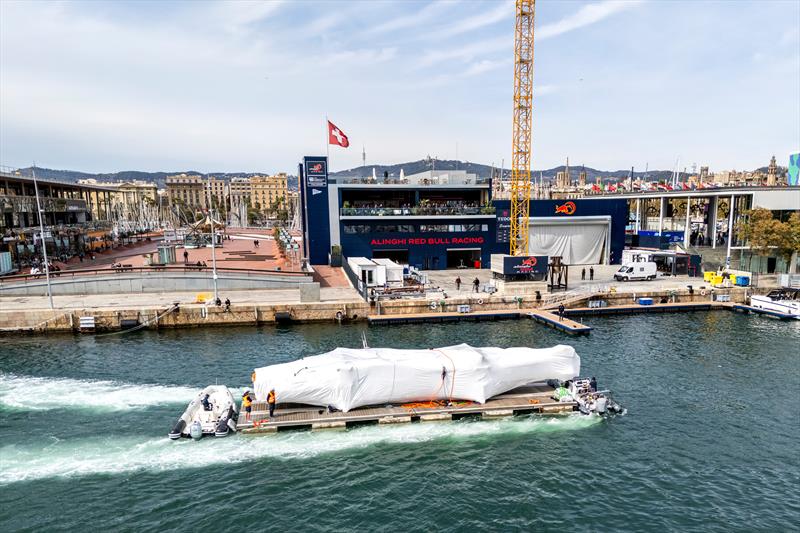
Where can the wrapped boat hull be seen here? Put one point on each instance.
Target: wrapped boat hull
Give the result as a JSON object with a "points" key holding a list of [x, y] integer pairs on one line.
{"points": [[348, 378]]}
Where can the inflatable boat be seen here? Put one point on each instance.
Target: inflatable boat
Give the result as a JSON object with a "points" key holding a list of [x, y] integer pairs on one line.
{"points": [[212, 412], [591, 401]]}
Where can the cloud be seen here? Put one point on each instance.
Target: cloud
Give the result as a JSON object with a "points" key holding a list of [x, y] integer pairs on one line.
{"points": [[585, 16], [236, 16], [423, 16], [466, 52], [503, 11], [484, 66], [365, 56]]}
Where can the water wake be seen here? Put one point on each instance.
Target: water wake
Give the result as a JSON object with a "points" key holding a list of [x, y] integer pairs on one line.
{"points": [[43, 394], [115, 455]]}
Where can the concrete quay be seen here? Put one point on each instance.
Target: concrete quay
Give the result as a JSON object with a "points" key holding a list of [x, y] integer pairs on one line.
{"points": [[112, 312]]}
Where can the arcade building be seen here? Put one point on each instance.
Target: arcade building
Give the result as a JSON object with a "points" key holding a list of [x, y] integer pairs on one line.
{"points": [[445, 219]]}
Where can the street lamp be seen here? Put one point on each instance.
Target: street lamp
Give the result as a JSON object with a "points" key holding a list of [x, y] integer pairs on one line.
{"points": [[41, 236]]}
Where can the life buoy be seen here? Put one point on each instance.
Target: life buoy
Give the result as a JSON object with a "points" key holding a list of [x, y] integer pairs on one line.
{"points": [[480, 301], [433, 305], [339, 316], [702, 292]]}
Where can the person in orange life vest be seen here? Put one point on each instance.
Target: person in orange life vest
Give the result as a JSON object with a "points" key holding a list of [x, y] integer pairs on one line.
{"points": [[271, 402]]}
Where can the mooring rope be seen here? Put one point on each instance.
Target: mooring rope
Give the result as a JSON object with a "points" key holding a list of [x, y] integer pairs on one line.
{"points": [[142, 325]]}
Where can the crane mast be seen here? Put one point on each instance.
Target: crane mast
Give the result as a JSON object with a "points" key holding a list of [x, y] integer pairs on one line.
{"points": [[523, 108]]}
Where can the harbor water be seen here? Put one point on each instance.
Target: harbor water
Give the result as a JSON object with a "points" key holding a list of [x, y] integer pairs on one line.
{"points": [[710, 441]]}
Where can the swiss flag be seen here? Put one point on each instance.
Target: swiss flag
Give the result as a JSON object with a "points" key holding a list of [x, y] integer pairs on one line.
{"points": [[336, 136]]}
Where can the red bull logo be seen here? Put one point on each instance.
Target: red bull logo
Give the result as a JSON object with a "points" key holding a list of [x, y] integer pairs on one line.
{"points": [[529, 262], [567, 208], [316, 167]]}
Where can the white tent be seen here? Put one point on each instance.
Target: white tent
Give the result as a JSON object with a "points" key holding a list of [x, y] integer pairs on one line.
{"points": [[348, 378], [577, 240]]}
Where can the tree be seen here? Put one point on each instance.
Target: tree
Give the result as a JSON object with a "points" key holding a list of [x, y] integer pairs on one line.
{"points": [[767, 235]]}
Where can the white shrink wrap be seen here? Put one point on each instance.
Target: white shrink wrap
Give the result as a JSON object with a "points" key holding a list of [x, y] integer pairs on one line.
{"points": [[348, 378]]}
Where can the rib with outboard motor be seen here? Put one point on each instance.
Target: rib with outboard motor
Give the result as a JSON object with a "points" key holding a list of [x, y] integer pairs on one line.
{"points": [[212, 412]]}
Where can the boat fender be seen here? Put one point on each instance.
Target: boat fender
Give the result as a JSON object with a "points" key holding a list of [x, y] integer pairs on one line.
{"points": [[480, 301], [433, 306]]}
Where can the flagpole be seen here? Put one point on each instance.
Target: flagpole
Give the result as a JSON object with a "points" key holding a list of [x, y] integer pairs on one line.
{"points": [[327, 142]]}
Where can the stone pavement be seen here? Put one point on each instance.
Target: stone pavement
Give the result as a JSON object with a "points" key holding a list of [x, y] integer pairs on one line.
{"points": [[129, 301]]}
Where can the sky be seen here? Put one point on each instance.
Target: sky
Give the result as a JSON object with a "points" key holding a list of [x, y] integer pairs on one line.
{"points": [[246, 86]]}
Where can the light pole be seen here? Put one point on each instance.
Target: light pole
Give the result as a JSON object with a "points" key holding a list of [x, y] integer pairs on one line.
{"points": [[41, 236], [213, 247]]}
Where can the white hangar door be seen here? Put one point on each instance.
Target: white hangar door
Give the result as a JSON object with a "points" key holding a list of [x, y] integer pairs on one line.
{"points": [[578, 240]]}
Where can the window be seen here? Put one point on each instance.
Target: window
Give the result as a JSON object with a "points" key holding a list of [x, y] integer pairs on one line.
{"points": [[434, 228], [356, 228]]}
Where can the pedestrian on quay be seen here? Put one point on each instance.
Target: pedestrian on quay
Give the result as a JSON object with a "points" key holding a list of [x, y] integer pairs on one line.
{"points": [[591, 273], [458, 283], [255, 242], [185, 256], [271, 402], [561, 312], [583, 274], [476, 283], [218, 302], [227, 305]]}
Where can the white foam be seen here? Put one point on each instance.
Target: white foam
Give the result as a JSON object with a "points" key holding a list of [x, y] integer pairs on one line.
{"points": [[41, 394], [115, 454]]}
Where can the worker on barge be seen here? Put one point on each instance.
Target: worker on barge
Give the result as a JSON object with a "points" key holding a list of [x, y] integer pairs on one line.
{"points": [[271, 402]]}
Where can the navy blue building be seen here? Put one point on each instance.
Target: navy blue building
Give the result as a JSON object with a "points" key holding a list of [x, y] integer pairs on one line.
{"points": [[445, 219]]}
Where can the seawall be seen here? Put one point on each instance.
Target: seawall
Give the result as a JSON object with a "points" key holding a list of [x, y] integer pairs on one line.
{"points": [[199, 315]]}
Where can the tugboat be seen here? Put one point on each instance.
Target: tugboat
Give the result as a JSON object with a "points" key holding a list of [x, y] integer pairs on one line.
{"points": [[785, 301], [212, 412]]}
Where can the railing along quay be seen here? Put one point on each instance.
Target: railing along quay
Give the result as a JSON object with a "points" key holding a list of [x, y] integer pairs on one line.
{"points": [[146, 269]]}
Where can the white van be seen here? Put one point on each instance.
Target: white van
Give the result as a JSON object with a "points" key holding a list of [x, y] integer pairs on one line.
{"points": [[637, 270]]}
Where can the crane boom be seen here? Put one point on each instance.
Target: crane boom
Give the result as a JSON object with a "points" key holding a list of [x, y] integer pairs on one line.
{"points": [[523, 120]]}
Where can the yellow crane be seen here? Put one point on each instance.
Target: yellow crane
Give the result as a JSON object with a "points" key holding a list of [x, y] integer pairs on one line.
{"points": [[523, 109]]}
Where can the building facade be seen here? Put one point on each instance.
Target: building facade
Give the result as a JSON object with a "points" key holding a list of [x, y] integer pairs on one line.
{"points": [[445, 219], [187, 190], [266, 191]]}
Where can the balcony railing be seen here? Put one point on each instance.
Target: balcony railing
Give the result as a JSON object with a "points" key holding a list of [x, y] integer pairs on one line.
{"points": [[27, 204], [424, 182], [431, 210]]}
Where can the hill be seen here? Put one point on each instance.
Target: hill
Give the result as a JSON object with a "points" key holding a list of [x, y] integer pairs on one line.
{"points": [[485, 171]]}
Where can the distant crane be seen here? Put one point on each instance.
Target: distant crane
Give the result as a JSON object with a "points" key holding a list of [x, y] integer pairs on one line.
{"points": [[523, 126]]}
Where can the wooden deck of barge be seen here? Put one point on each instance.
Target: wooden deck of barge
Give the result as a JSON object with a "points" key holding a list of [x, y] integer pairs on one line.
{"points": [[537, 399]]}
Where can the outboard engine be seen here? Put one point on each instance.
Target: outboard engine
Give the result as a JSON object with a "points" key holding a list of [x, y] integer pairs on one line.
{"points": [[221, 430], [600, 405], [196, 430], [177, 430]]}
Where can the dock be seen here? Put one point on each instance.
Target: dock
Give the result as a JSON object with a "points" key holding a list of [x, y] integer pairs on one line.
{"points": [[563, 324], [530, 399], [442, 316], [635, 308], [742, 308]]}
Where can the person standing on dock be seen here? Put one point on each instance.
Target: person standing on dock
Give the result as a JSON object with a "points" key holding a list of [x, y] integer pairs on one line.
{"points": [[271, 402], [458, 283], [476, 284], [591, 273], [185, 256], [561, 312], [583, 274]]}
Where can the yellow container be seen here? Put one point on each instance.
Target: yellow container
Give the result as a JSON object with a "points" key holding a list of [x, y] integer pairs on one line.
{"points": [[708, 276], [732, 277], [717, 280]]}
